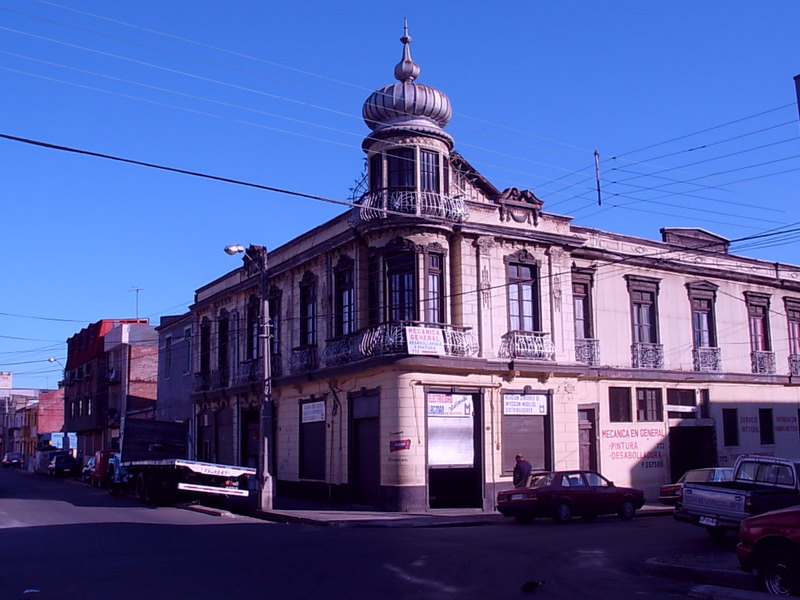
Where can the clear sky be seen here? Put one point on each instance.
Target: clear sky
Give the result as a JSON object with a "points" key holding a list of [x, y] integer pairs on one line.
{"points": [[690, 105]]}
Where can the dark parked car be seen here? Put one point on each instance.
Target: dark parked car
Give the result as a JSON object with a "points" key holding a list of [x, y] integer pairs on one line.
{"points": [[562, 494], [669, 494], [770, 545], [63, 465], [12, 459]]}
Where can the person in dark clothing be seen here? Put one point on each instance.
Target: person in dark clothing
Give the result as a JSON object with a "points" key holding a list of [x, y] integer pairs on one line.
{"points": [[522, 471]]}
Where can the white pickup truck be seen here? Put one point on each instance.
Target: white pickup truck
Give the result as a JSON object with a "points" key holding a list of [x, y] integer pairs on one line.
{"points": [[760, 484]]}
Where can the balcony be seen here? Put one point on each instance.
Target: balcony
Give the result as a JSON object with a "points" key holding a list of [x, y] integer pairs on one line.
{"points": [[587, 351], [707, 359], [303, 359], [647, 356], [794, 364], [202, 381], [762, 362], [392, 338], [249, 371], [411, 202], [534, 345]]}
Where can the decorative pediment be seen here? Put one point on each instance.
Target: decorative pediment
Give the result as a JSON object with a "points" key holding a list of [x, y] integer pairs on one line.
{"points": [[520, 206], [521, 256]]}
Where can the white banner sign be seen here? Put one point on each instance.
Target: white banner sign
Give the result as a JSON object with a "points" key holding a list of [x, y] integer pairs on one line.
{"points": [[313, 412], [525, 404], [424, 340]]}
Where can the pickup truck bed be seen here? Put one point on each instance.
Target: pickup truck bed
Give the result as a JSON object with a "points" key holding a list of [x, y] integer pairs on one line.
{"points": [[760, 484]]}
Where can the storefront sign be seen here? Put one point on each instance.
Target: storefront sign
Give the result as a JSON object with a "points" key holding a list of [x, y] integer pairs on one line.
{"points": [[449, 405], [312, 412], [425, 340], [525, 404], [396, 445]]}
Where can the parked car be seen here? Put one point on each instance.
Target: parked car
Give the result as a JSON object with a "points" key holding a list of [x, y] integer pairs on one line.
{"points": [[88, 469], [100, 474], [770, 544], [63, 465], [669, 494], [563, 494], [12, 459]]}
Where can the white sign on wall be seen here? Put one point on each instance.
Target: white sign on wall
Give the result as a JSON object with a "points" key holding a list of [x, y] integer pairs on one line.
{"points": [[451, 430], [425, 340], [525, 404], [313, 412]]}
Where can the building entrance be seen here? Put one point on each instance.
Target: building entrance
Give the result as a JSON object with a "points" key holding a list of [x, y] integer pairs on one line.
{"points": [[691, 448]]}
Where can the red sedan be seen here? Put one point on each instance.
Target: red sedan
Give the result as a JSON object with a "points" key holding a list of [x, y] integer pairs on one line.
{"points": [[770, 545], [562, 494]]}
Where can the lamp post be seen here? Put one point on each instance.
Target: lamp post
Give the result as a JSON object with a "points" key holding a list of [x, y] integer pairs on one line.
{"points": [[266, 483]]}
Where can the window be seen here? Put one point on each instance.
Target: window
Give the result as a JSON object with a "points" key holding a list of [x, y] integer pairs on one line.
{"points": [[235, 339], [252, 350], [643, 293], [582, 305], [758, 318], [793, 321], [308, 310], [435, 289], [702, 297], [376, 172], [400, 288], [619, 405], [400, 168], [187, 335], [344, 300], [429, 170], [167, 356], [522, 294], [766, 426], [275, 330], [730, 427], [223, 334], [648, 405], [205, 346], [679, 398]]}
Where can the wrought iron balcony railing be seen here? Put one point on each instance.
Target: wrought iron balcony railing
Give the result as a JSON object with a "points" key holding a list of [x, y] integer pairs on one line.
{"points": [[794, 364], [647, 356], [587, 351], [249, 371], [707, 359], [527, 344], [762, 362], [391, 338], [303, 360], [410, 201]]}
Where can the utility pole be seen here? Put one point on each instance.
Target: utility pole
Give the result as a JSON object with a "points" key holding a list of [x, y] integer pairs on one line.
{"points": [[267, 481], [797, 90]]}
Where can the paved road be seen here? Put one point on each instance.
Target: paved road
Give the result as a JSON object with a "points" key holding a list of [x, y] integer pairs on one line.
{"points": [[65, 540]]}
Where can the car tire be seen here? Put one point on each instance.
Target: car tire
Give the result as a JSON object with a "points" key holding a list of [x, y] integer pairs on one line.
{"points": [[626, 510], [779, 571], [563, 512]]}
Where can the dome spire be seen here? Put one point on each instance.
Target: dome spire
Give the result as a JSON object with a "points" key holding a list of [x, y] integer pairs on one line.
{"points": [[406, 70]]}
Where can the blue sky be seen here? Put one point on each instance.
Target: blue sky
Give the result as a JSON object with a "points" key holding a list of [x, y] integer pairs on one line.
{"points": [[691, 106]]}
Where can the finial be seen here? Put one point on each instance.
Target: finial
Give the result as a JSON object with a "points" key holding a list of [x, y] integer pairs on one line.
{"points": [[406, 70]]}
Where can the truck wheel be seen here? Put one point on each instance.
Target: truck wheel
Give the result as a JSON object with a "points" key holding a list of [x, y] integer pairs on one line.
{"points": [[627, 510], [563, 513], [779, 571]]}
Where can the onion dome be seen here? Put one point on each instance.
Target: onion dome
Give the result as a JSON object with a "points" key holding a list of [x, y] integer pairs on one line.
{"points": [[407, 105]]}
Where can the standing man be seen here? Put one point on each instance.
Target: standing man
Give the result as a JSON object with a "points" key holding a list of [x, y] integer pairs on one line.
{"points": [[522, 470]]}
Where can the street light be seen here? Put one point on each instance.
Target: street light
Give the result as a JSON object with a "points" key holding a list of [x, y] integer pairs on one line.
{"points": [[266, 482]]}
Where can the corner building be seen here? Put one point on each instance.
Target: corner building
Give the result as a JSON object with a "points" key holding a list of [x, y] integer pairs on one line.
{"points": [[422, 339]]}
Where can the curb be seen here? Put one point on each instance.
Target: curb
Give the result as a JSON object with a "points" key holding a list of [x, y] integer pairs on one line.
{"points": [[744, 582], [713, 592]]}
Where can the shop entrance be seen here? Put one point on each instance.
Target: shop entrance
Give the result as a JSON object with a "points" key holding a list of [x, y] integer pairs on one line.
{"points": [[454, 451], [691, 448]]}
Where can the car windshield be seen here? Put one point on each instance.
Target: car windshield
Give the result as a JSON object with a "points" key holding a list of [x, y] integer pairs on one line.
{"points": [[698, 475], [541, 479]]}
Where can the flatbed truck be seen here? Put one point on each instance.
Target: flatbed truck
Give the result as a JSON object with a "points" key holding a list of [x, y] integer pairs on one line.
{"points": [[152, 463]]}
